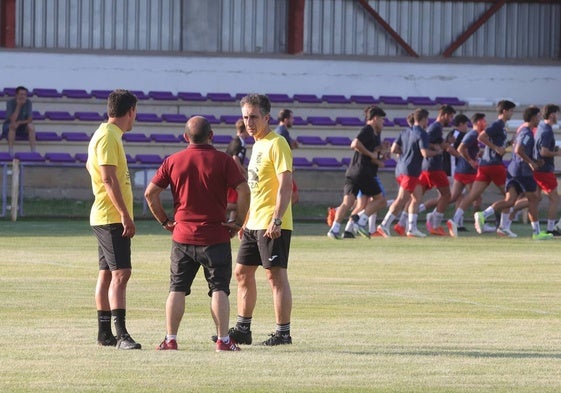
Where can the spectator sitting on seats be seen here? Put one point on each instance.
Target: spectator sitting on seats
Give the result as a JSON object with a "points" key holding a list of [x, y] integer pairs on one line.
{"points": [[19, 118]]}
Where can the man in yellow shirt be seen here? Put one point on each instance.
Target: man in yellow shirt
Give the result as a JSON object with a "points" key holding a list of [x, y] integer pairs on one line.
{"points": [[112, 218], [267, 231]]}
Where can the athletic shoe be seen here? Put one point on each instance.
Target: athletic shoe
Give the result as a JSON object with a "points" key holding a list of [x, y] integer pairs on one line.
{"points": [[438, 231], [488, 228], [277, 338], [506, 233], [231, 346], [126, 342], [363, 231], [330, 216], [383, 231], [452, 228], [348, 235], [376, 234], [478, 221], [333, 235], [238, 336], [165, 346], [399, 230], [110, 341], [542, 236], [555, 233], [429, 222], [463, 229], [415, 233]]}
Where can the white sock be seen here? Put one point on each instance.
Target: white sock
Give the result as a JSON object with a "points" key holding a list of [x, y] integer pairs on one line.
{"points": [[350, 226], [412, 222], [536, 227], [459, 217], [489, 212], [550, 225], [362, 219], [335, 227], [170, 337], [403, 219], [437, 219], [388, 219], [372, 223]]}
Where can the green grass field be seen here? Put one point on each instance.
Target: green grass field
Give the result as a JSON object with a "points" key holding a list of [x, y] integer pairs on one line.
{"points": [[473, 314]]}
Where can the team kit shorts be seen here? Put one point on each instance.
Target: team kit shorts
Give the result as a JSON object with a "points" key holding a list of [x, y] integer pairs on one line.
{"points": [[522, 184], [366, 185], [491, 173], [256, 249], [114, 250], [434, 179], [408, 183], [547, 181], [464, 178], [186, 259]]}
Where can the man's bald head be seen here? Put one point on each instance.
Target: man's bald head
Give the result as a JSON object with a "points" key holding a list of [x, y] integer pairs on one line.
{"points": [[197, 130]]}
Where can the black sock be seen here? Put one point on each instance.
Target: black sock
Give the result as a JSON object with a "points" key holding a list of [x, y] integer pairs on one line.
{"points": [[119, 321], [243, 324], [103, 325]]}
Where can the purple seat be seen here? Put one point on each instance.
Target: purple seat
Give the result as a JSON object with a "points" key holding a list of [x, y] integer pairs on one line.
{"points": [[301, 162], [364, 100], [390, 163], [162, 95], [335, 99], [348, 121], [47, 136], [148, 118], [388, 141], [5, 156], [230, 119], [136, 137], [191, 96], [222, 139], [75, 136], [421, 101], [298, 121], [81, 157], [249, 140], [307, 98], [388, 122], [10, 91], [59, 116], [320, 121], [449, 101], [60, 157], [38, 116], [139, 94], [338, 140], [101, 94], [346, 161], [2, 114], [220, 97], [311, 140], [29, 156], [280, 98], [46, 93], [211, 118], [76, 93], [164, 138], [326, 162], [88, 116], [130, 159], [393, 100], [149, 159], [401, 121], [174, 117]]}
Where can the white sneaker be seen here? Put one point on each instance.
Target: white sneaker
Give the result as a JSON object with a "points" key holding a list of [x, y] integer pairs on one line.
{"points": [[452, 228], [429, 222], [415, 233], [506, 233], [478, 222]]}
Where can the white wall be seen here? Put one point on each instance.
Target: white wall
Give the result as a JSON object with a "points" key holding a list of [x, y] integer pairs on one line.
{"points": [[523, 84]]}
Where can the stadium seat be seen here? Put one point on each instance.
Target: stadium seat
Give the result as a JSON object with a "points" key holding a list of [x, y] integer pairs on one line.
{"points": [[60, 157], [174, 117], [320, 121], [280, 98], [164, 138], [81, 157], [76, 93], [59, 116], [211, 118], [311, 140], [348, 121], [47, 136], [346, 161], [449, 101], [298, 121], [301, 162], [393, 100], [220, 97], [149, 159], [38, 116], [139, 94], [338, 140], [307, 98], [230, 119], [148, 118], [46, 93], [136, 137], [364, 100], [101, 94], [388, 122], [249, 140], [221, 139], [162, 95], [5, 156], [326, 162], [390, 163], [335, 99], [130, 159], [75, 136], [2, 114], [191, 96], [239, 96], [401, 121], [10, 91], [421, 101], [88, 116], [29, 156]]}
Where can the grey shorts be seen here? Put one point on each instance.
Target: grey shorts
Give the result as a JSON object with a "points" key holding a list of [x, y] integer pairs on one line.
{"points": [[256, 249], [114, 250]]}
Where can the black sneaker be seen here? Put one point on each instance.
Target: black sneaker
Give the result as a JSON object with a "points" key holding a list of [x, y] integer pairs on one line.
{"points": [[126, 342], [555, 233], [238, 336], [348, 235], [277, 338], [107, 341], [463, 229]]}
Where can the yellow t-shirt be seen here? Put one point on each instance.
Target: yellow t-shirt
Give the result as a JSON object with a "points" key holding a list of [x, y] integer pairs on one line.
{"points": [[106, 148], [270, 156]]}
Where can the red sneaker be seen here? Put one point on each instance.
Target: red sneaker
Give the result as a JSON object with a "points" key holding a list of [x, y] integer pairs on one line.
{"points": [[399, 230], [231, 346], [164, 346], [330, 216], [438, 231]]}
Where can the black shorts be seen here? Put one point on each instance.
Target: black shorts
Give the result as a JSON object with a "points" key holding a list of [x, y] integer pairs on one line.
{"points": [[114, 250], [367, 185], [21, 131], [186, 260], [522, 184], [256, 249]]}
